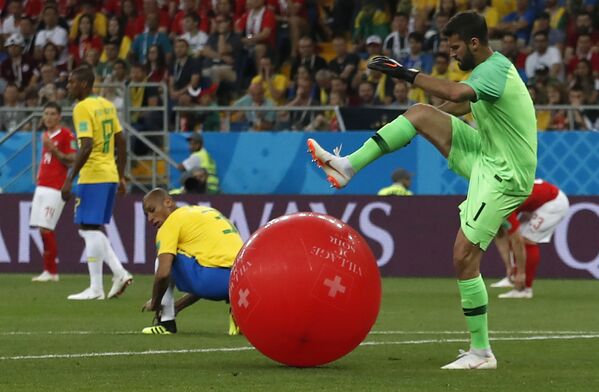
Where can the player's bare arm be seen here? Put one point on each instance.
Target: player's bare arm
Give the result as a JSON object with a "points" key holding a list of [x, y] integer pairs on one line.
{"points": [[455, 108], [85, 149], [519, 250], [185, 301], [65, 159], [445, 89], [161, 281], [121, 147]]}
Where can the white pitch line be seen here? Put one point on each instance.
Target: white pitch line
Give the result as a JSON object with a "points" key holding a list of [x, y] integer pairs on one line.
{"points": [[248, 348], [506, 338], [463, 332], [491, 332], [128, 353]]}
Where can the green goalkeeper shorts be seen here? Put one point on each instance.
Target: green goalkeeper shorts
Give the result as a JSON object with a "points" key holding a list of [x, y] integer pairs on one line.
{"points": [[486, 205]]}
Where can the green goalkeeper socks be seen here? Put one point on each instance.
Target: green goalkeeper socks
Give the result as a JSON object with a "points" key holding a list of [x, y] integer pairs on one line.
{"points": [[474, 303], [389, 138]]}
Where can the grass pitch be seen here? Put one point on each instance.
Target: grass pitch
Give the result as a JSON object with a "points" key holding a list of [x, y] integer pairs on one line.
{"points": [[549, 343]]}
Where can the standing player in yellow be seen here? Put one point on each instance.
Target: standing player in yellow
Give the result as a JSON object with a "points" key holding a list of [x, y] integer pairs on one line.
{"points": [[98, 131], [196, 248]]}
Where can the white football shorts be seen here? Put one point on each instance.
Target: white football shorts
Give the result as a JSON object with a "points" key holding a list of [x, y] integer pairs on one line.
{"points": [[46, 208], [545, 219]]}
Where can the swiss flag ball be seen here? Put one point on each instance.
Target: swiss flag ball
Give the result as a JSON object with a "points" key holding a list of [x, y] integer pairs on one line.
{"points": [[305, 289]]}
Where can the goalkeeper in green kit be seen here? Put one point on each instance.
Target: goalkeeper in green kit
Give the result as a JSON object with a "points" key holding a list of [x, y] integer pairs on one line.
{"points": [[499, 158]]}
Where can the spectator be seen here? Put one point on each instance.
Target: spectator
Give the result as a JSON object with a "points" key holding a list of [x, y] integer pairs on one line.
{"points": [[396, 43], [447, 7], [556, 15], [52, 32], [210, 120], [141, 96], [116, 34], [12, 19], [489, 12], [50, 85], [111, 50], [366, 94], [546, 55], [27, 31], [584, 51], [541, 79], [292, 23], [401, 181], [99, 23], [50, 57], [519, 22], [373, 48], [556, 37], [299, 120], [581, 119], [257, 27], [400, 94], [307, 57], [193, 181], [120, 73], [558, 118], [538, 96], [224, 8], [344, 64], [418, 59], [156, 69], [200, 157], [274, 84], [583, 77], [143, 42], [84, 40], [189, 120], [370, 20], [256, 120], [583, 25], [509, 48], [185, 73], [10, 119], [163, 20], [433, 36], [17, 68], [441, 67], [189, 8], [383, 86], [222, 51], [197, 38], [128, 18]]}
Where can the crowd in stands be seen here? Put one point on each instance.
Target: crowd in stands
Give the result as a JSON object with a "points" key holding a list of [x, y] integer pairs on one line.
{"points": [[270, 53]]}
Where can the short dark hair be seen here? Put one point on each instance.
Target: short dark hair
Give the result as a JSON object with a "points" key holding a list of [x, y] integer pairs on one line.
{"points": [[85, 73], [467, 25], [417, 36], [121, 62], [53, 105]]}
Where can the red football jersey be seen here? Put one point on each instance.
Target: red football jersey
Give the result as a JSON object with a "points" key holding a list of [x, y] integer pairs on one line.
{"points": [[52, 172], [542, 192]]}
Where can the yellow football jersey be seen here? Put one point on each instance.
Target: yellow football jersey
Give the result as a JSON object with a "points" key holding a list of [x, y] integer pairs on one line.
{"points": [[96, 118], [202, 233]]}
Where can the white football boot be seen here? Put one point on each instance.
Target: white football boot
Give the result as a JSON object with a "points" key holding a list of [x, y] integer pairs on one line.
{"points": [[505, 282], [473, 361], [119, 284], [45, 277], [337, 168], [526, 293], [87, 294]]}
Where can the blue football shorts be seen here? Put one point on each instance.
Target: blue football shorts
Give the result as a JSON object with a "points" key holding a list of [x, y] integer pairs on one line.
{"points": [[94, 203], [205, 282]]}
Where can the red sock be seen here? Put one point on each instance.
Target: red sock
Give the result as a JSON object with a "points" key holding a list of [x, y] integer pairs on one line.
{"points": [[50, 251], [533, 257]]}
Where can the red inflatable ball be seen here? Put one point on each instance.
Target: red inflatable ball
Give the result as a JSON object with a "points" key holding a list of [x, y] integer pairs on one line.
{"points": [[305, 289]]}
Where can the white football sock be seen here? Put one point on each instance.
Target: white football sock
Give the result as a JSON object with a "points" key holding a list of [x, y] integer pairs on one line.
{"points": [[94, 249], [111, 258], [168, 300]]}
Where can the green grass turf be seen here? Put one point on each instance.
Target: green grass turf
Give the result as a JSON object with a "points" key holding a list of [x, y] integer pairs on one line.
{"points": [[417, 316]]}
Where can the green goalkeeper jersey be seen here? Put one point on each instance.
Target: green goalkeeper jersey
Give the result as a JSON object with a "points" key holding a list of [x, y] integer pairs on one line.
{"points": [[506, 121]]}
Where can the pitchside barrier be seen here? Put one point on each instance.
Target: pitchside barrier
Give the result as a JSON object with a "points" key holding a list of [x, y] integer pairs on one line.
{"points": [[410, 236], [277, 163]]}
